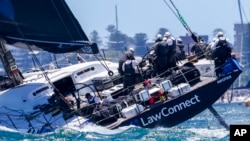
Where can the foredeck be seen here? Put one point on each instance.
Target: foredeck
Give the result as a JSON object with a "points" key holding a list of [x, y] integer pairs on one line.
{"points": [[204, 81]]}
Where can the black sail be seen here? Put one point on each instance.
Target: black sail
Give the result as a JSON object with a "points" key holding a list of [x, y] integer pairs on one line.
{"points": [[46, 24]]}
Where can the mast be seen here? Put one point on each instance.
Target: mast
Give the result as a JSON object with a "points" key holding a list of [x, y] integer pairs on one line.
{"points": [[9, 65], [241, 38], [239, 4], [116, 18]]}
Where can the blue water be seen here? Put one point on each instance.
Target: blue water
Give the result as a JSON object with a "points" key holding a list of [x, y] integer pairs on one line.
{"points": [[203, 127]]}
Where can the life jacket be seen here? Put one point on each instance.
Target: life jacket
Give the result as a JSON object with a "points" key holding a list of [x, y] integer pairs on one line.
{"points": [[171, 56], [222, 48], [180, 52], [92, 100], [122, 60], [172, 48], [222, 45], [161, 49], [129, 69]]}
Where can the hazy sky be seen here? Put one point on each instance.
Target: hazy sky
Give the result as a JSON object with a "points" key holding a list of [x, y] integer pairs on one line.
{"points": [[147, 16]]}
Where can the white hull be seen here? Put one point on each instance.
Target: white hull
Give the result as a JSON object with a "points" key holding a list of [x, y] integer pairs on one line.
{"points": [[205, 66], [20, 107]]}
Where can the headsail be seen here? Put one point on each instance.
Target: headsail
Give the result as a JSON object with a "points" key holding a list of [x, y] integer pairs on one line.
{"points": [[43, 24]]}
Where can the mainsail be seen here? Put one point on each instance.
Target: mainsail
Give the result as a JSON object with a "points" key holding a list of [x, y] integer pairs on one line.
{"points": [[43, 24]]}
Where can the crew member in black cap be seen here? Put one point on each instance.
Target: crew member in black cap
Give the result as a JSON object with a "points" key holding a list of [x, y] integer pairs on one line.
{"points": [[92, 99]]}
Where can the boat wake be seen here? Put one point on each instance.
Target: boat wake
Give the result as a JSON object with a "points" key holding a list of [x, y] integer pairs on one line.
{"points": [[3, 128], [210, 133], [92, 128]]}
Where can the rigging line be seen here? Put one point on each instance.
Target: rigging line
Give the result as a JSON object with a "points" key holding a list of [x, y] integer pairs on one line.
{"points": [[181, 19], [13, 124], [103, 63], [184, 23], [77, 43], [57, 60], [40, 66], [29, 47], [54, 56], [178, 16], [37, 61], [244, 13], [103, 58], [47, 122], [67, 59], [48, 79], [74, 21], [220, 119], [172, 10], [40, 121], [242, 9], [69, 14], [60, 16], [33, 54]]}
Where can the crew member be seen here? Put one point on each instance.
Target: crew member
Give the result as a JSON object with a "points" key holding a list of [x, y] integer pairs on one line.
{"points": [[171, 45], [209, 48], [129, 55], [129, 68], [92, 99], [180, 52], [222, 49], [158, 38], [161, 59], [199, 48]]}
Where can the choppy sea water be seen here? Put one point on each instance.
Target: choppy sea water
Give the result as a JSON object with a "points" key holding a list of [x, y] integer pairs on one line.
{"points": [[203, 127]]}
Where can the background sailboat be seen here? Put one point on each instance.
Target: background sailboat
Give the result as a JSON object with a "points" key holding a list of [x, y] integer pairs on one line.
{"points": [[46, 25]]}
